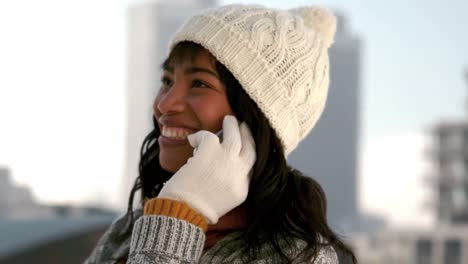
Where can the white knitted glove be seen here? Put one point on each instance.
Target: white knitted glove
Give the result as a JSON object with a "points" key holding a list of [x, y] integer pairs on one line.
{"points": [[216, 179]]}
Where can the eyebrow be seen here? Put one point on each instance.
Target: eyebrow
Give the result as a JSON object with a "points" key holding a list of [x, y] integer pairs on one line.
{"points": [[192, 70]]}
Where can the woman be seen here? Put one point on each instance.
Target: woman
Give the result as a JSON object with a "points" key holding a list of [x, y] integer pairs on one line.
{"points": [[241, 87]]}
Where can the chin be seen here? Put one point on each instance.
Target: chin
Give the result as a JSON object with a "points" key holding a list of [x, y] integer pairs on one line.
{"points": [[172, 163]]}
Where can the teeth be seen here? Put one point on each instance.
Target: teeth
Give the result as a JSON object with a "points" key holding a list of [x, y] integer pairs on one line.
{"points": [[175, 133]]}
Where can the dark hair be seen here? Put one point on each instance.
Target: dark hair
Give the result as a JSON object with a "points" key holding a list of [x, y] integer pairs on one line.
{"points": [[282, 203]]}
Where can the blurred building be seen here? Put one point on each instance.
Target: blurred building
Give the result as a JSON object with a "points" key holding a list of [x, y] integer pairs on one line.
{"points": [[330, 153], [450, 160], [150, 27], [447, 242]]}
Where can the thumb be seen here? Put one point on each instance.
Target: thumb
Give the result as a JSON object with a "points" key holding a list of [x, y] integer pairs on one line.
{"points": [[203, 141]]}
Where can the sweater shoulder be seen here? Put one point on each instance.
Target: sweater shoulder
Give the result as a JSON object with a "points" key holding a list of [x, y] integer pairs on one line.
{"points": [[326, 255], [231, 249]]}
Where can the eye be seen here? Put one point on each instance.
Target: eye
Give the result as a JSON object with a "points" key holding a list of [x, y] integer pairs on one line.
{"points": [[166, 82], [199, 84]]}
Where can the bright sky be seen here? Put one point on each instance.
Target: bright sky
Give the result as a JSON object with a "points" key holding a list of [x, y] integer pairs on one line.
{"points": [[63, 76]]}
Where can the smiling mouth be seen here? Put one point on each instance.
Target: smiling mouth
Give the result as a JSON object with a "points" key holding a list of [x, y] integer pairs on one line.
{"points": [[176, 133]]}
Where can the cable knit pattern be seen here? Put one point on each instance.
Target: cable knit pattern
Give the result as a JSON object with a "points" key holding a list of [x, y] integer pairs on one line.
{"points": [[164, 239], [280, 57]]}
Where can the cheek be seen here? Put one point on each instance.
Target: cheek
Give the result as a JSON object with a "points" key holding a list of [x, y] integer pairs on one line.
{"points": [[211, 112]]}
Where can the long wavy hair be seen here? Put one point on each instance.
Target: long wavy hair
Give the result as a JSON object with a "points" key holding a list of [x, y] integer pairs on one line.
{"points": [[282, 203]]}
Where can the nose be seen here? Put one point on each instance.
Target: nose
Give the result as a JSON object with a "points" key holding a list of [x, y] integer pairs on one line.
{"points": [[170, 100]]}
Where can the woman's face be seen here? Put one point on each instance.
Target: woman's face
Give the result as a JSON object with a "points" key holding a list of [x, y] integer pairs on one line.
{"points": [[191, 98]]}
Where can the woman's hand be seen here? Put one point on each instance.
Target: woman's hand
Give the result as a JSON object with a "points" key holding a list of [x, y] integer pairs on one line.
{"points": [[216, 179]]}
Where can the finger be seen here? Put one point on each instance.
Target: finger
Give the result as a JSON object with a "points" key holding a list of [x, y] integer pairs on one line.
{"points": [[231, 134], [248, 143], [203, 142]]}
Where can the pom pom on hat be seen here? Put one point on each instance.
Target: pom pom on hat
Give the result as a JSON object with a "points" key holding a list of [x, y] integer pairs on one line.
{"points": [[319, 19]]}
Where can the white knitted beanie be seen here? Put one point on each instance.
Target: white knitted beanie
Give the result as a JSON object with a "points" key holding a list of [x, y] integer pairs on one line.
{"points": [[280, 57]]}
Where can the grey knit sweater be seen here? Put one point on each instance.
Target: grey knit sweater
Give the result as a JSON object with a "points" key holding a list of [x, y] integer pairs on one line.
{"points": [[162, 239]]}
